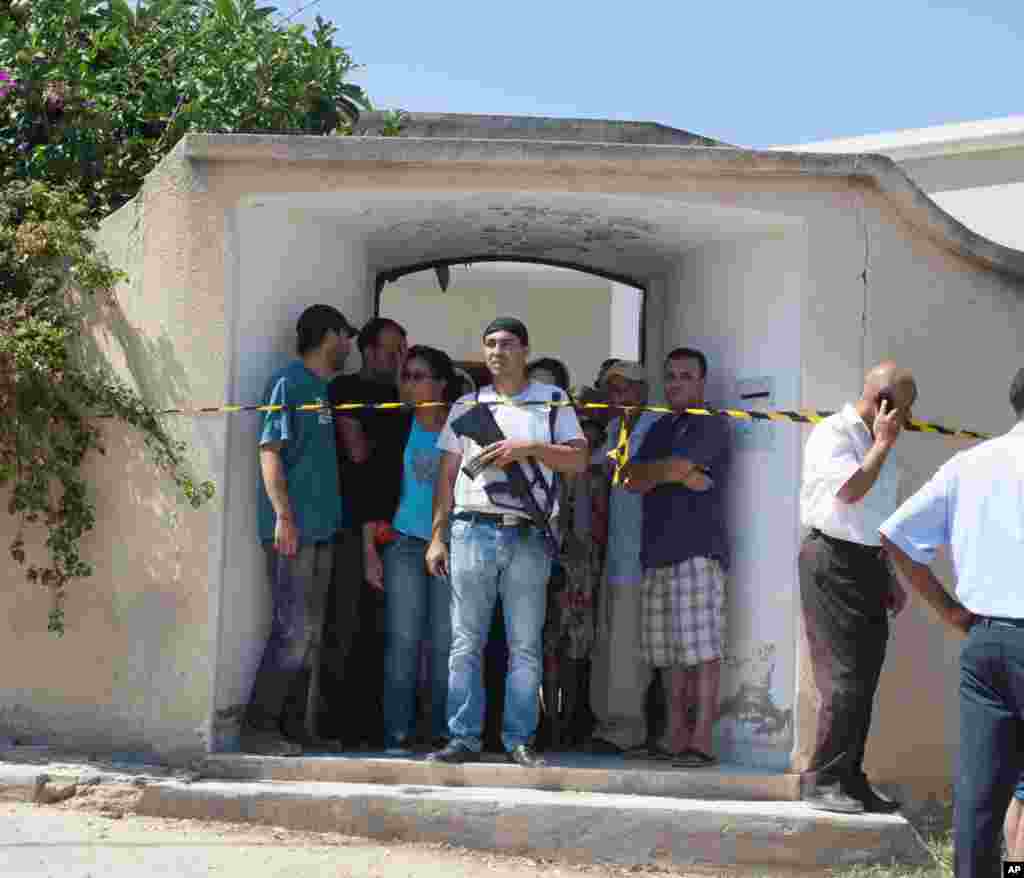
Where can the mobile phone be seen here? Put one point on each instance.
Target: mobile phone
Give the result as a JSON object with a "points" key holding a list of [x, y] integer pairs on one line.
{"points": [[885, 396]]}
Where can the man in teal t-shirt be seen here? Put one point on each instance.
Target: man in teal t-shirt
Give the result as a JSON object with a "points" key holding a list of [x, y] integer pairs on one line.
{"points": [[299, 512]]}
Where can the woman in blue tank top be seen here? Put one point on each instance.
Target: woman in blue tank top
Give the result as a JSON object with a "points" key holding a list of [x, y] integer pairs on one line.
{"points": [[417, 605]]}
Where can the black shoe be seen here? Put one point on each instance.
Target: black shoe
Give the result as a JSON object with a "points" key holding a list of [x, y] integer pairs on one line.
{"points": [[601, 747], [873, 801], [454, 753], [524, 756], [263, 742], [832, 798]]}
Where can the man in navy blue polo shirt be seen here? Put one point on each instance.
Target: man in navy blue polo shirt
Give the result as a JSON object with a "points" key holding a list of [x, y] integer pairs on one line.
{"points": [[681, 471]]}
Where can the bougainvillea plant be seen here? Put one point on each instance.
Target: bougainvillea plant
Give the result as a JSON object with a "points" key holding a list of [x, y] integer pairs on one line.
{"points": [[93, 94]]}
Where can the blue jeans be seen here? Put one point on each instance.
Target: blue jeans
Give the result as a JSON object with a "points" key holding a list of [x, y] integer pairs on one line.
{"points": [[417, 608], [991, 736], [488, 561]]}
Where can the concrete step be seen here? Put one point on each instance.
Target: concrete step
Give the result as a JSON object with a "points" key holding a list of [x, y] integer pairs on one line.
{"points": [[566, 772], [627, 830]]}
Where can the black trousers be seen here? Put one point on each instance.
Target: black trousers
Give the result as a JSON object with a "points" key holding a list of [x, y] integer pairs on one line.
{"points": [[843, 590], [991, 743], [341, 632]]}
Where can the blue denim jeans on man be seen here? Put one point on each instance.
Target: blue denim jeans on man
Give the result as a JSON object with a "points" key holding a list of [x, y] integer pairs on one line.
{"points": [[991, 758], [417, 611], [488, 561]]}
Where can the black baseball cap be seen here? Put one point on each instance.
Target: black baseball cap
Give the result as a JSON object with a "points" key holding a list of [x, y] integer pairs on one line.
{"points": [[317, 319], [509, 324]]}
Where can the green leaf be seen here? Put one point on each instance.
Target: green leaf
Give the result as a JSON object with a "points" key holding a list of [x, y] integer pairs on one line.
{"points": [[227, 10]]}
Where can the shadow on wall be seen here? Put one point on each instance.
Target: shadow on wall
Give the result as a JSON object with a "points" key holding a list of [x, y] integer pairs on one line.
{"points": [[150, 366]]}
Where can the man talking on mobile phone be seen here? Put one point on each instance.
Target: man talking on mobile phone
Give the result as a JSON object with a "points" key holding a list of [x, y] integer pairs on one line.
{"points": [[850, 486]]}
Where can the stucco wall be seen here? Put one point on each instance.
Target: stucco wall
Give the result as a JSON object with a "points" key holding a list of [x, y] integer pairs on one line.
{"points": [[224, 256], [134, 670], [740, 303], [958, 329], [282, 261], [551, 301]]}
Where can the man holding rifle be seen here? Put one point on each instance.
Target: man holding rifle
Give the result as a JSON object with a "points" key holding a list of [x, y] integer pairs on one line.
{"points": [[505, 449]]}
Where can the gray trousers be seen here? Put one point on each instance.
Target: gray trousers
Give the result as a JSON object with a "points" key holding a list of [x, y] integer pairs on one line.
{"points": [[619, 677]]}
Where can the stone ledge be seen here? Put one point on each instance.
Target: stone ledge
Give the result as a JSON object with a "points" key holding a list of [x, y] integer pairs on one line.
{"points": [[564, 773], [613, 829]]}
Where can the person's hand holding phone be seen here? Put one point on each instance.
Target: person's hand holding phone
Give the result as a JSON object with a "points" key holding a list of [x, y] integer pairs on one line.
{"points": [[888, 421]]}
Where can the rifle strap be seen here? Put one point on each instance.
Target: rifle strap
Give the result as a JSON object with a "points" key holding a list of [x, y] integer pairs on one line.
{"points": [[536, 474]]}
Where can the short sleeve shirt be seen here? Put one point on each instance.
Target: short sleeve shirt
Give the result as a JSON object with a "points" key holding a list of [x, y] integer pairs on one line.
{"points": [[835, 451], [309, 455], [680, 524], [516, 422], [975, 505], [626, 510], [420, 464]]}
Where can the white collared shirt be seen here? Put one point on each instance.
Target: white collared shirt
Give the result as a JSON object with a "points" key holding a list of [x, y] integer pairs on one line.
{"points": [[835, 451], [975, 505]]}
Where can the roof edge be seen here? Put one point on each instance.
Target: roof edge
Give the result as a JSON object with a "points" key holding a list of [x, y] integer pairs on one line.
{"points": [[916, 206]]}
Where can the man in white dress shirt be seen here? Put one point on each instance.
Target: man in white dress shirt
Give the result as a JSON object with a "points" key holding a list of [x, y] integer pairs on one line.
{"points": [[850, 486], [974, 505]]}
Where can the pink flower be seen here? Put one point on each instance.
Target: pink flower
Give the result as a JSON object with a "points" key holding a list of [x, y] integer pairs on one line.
{"points": [[7, 83]]}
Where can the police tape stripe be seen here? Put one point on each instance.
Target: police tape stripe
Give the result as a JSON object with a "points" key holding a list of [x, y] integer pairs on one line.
{"points": [[804, 416]]}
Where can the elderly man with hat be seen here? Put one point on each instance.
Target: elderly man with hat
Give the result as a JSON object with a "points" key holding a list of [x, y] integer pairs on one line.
{"points": [[498, 546], [620, 677]]}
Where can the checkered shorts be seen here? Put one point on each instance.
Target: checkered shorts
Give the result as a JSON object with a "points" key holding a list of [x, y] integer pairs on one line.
{"points": [[683, 613]]}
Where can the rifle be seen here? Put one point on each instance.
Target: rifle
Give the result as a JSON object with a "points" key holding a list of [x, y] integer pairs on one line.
{"points": [[480, 425]]}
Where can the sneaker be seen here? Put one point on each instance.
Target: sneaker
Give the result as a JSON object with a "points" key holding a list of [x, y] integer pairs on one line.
{"points": [[454, 753], [525, 756], [398, 751]]}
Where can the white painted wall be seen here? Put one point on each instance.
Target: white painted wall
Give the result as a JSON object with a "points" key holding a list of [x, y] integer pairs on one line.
{"points": [[740, 304], [568, 313], [959, 330], [279, 263], [625, 322], [973, 170]]}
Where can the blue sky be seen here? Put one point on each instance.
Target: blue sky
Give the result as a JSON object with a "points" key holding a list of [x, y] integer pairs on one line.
{"points": [[753, 74]]}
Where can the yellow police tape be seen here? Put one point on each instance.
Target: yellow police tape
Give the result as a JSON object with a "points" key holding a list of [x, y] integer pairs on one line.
{"points": [[620, 453], [800, 416]]}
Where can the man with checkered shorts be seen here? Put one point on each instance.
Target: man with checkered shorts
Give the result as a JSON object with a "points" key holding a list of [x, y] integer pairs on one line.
{"points": [[681, 471]]}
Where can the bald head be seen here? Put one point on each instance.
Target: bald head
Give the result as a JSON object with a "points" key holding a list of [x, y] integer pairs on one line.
{"points": [[892, 382], [888, 376]]}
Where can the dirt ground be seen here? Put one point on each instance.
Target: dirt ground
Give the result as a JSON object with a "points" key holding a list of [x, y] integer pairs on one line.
{"points": [[95, 834]]}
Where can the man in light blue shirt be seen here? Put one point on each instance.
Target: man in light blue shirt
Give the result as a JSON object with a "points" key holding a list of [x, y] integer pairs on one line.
{"points": [[974, 505], [619, 676]]}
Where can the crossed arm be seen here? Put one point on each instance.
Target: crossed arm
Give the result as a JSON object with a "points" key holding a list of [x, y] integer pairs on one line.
{"points": [[643, 477]]}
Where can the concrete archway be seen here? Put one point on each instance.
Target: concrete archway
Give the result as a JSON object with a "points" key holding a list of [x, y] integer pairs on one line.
{"points": [[792, 271]]}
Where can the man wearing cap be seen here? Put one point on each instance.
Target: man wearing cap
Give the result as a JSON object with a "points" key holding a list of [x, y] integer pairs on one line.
{"points": [[620, 677], [974, 506], [299, 513], [496, 548]]}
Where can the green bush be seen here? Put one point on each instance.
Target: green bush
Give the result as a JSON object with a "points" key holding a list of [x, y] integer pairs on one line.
{"points": [[92, 96]]}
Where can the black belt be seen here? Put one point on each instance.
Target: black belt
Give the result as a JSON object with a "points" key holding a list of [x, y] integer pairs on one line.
{"points": [[861, 548], [498, 519], [999, 621]]}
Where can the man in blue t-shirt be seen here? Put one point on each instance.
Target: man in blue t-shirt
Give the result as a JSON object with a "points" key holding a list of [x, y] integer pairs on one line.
{"points": [[681, 470], [299, 512]]}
